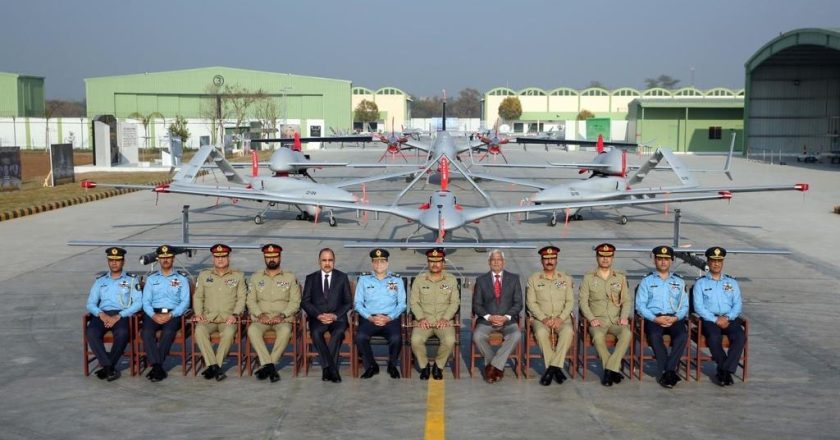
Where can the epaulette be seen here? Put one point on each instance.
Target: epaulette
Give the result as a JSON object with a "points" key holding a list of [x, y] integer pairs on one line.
{"points": [[730, 276], [650, 273], [183, 273], [131, 274], [676, 275], [101, 274]]}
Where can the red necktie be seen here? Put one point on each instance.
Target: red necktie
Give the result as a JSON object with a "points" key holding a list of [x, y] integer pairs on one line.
{"points": [[497, 289]]}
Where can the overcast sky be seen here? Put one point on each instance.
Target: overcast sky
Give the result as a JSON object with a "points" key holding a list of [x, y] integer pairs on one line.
{"points": [[419, 46]]}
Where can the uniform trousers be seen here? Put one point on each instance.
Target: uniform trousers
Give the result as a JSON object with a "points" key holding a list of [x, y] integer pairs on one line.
{"points": [[726, 361], [498, 358], [679, 336], [327, 353], [282, 332], [202, 338], [553, 356], [95, 334], [156, 350], [419, 337], [623, 337], [392, 331]]}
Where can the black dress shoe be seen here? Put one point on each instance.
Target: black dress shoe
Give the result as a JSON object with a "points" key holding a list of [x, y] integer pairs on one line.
{"points": [[559, 377], [720, 378], [209, 372], [373, 370], [220, 374], [335, 377], [437, 373], [262, 373], [158, 373], [607, 379], [113, 374], [393, 371], [665, 380], [547, 377], [326, 375], [102, 373], [273, 376], [615, 376], [727, 378], [425, 371]]}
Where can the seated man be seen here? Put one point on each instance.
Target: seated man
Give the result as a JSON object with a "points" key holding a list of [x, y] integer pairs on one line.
{"points": [[326, 300], [273, 300], [435, 299], [166, 296], [717, 300], [550, 302], [497, 301], [606, 303], [379, 301], [114, 297], [219, 300], [662, 300]]}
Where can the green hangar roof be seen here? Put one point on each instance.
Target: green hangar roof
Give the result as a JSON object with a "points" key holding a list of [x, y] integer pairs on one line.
{"points": [[797, 47]]}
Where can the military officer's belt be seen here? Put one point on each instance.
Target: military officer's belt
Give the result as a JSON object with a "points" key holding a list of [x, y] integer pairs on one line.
{"points": [[162, 310]]}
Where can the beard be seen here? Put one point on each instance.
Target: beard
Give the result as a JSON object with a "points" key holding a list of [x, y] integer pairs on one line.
{"points": [[272, 265]]}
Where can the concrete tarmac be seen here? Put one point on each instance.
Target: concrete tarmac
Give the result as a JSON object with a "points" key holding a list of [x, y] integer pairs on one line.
{"points": [[791, 301]]}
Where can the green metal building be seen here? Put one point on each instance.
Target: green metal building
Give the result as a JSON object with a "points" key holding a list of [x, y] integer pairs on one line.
{"points": [[688, 124], [21, 95], [193, 94]]}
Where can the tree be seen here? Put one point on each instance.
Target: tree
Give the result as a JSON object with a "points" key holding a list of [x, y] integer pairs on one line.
{"points": [[212, 108], [596, 83], [468, 104], [66, 109], [427, 107], [664, 81], [179, 129], [584, 115], [146, 120], [366, 112], [267, 112], [510, 109]]}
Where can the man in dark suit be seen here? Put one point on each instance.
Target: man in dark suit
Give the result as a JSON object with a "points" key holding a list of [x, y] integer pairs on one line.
{"points": [[497, 301], [326, 300]]}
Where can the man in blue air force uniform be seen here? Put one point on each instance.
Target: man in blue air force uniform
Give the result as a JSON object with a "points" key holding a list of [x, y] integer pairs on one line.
{"points": [[379, 301], [113, 299], [717, 300], [166, 296], [663, 302]]}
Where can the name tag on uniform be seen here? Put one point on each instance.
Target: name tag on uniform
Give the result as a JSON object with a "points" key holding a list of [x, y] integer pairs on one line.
{"points": [[282, 284]]}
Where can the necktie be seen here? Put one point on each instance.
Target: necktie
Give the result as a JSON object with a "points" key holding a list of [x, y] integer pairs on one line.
{"points": [[326, 284], [497, 289]]}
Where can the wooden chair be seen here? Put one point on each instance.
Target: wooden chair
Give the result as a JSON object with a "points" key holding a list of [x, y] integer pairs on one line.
{"points": [[88, 357], [433, 340], [496, 339], [696, 337], [293, 349], [237, 349], [645, 353], [585, 347], [380, 340], [531, 344], [180, 340]]}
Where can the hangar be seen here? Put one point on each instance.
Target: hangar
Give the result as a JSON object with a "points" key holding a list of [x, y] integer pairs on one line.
{"points": [[393, 103], [21, 95], [793, 93], [205, 95]]}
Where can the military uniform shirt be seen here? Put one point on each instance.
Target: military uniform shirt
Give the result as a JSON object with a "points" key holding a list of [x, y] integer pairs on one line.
{"points": [[166, 292], [550, 297], [435, 300], [605, 298], [273, 295], [380, 297], [109, 294], [219, 296], [658, 296], [713, 298]]}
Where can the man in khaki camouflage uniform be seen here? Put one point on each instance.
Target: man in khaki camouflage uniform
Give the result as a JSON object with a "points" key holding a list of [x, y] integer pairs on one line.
{"points": [[435, 299], [219, 300], [606, 303], [550, 303], [273, 300]]}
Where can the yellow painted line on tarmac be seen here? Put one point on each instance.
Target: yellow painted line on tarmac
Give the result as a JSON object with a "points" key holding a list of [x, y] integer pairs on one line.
{"points": [[435, 402]]}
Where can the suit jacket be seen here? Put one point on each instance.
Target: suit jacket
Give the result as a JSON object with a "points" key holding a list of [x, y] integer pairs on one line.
{"points": [[339, 300], [484, 301]]}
